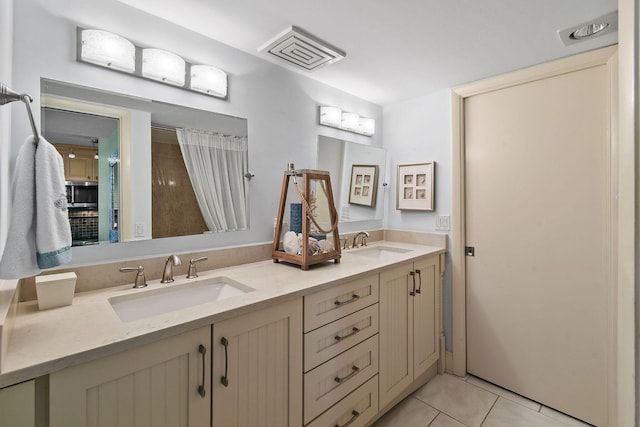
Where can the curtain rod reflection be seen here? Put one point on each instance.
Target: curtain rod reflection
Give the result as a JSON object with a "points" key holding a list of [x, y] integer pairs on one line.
{"points": [[174, 128]]}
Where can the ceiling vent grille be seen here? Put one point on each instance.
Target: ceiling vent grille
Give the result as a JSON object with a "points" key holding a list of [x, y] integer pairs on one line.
{"points": [[302, 50]]}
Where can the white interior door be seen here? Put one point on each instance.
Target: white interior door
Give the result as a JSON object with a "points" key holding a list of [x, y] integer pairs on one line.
{"points": [[538, 214]]}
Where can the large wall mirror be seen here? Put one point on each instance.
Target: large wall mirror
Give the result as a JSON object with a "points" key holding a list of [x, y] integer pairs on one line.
{"points": [[139, 169], [358, 177]]}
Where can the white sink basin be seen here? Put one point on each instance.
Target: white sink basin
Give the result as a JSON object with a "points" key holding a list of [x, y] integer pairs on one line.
{"points": [[163, 300], [379, 252]]}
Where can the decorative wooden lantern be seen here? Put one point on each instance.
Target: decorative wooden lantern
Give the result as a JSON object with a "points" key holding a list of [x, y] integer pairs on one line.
{"points": [[307, 224]]}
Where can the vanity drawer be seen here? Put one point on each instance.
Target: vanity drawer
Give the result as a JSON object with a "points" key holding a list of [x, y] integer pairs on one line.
{"points": [[355, 410], [330, 340], [338, 301], [330, 382]]}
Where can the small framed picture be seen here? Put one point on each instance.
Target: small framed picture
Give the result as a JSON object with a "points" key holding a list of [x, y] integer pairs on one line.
{"points": [[415, 186], [364, 183]]}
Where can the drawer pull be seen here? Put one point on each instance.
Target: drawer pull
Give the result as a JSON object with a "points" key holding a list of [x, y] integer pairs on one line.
{"points": [[225, 380], [354, 331], [354, 370], [354, 414], [413, 277], [419, 273], [354, 297], [203, 351]]}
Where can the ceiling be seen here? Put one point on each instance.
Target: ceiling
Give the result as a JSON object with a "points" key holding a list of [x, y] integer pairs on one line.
{"points": [[398, 50]]}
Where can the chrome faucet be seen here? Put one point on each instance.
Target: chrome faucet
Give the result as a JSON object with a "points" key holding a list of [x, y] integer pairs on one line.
{"points": [[167, 274], [364, 236]]}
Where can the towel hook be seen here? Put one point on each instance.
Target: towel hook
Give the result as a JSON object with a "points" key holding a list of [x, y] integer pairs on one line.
{"points": [[8, 95]]}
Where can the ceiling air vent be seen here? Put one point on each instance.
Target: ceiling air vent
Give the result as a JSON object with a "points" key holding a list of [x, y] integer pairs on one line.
{"points": [[303, 50]]}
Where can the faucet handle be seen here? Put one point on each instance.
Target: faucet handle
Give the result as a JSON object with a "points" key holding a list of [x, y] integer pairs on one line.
{"points": [[345, 245], [192, 274], [141, 281]]}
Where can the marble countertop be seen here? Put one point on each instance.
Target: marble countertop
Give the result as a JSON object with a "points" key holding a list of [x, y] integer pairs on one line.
{"points": [[46, 341]]}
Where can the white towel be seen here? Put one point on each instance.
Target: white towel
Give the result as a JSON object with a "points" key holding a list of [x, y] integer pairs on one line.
{"points": [[39, 234]]}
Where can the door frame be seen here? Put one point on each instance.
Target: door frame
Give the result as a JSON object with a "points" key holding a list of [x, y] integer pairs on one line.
{"points": [[598, 57], [124, 135]]}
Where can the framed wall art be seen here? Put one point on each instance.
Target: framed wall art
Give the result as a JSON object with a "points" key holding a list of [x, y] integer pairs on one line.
{"points": [[415, 186], [364, 185]]}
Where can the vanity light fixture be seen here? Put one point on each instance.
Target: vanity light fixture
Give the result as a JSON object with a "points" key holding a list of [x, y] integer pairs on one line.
{"points": [[366, 126], [72, 155], [352, 122], [117, 53], [107, 50], [209, 80], [330, 116], [164, 66]]}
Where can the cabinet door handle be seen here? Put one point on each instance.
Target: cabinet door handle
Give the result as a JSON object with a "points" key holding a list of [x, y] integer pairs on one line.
{"points": [[413, 277], [224, 380], [354, 414], [419, 290], [201, 390], [354, 297], [354, 331], [354, 370]]}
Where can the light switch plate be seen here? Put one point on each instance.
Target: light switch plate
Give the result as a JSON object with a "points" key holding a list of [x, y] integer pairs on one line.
{"points": [[139, 230], [443, 222]]}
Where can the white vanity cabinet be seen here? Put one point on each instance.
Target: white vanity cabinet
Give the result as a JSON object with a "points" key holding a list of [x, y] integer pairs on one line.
{"points": [[18, 405], [257, 368], [341, 354], [158, 384], [409, 324]]}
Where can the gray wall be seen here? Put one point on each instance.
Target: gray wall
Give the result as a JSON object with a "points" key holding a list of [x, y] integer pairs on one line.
{"points": [[6, 35], [416, 131]]}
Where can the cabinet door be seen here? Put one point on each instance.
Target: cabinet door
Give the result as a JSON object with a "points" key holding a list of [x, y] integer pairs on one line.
{"points": [[257, 368], [396, 332], [426, 313], [154, 385], [81, 167], [18, 405]]}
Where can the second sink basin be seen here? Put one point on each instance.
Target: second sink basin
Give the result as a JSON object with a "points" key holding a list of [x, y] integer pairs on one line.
{"points": [[163, 300], [379, 251]]}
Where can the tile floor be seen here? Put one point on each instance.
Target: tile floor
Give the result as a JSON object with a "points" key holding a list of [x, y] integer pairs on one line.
{"points": [[450, 401]]}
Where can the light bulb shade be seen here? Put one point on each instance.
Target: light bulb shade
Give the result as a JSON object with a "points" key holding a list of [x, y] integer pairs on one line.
{"points": [[209, 80], [350, 121], [367, 126], [108, 50], [164, 66], [330, 116]]}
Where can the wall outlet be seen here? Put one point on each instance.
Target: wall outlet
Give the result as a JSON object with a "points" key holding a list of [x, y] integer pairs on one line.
{"points": [[443, 222]]}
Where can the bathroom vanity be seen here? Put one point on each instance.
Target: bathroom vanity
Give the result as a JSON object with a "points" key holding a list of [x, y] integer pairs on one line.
{"points": [[338, 344]]}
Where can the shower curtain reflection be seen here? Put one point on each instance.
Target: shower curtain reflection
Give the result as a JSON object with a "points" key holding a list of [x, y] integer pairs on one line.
{"points": [[216, 165]]}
